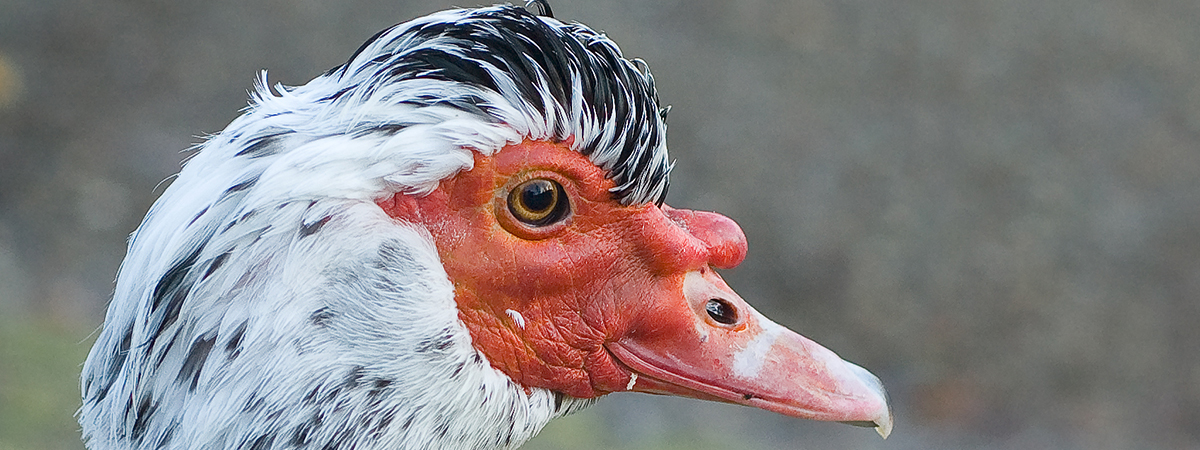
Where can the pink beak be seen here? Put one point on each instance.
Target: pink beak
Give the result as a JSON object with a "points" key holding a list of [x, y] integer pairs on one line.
{"points": [[710, 344]]}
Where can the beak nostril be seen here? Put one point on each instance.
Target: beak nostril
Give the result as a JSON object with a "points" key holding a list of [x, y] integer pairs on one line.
{"points": [[721, 311]]}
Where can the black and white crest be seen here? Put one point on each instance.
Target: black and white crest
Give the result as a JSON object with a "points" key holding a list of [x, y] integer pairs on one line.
{"points": [[569, 76]]}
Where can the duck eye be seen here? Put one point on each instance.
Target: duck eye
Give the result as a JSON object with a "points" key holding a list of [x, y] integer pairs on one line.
{"points": [[538, 202]]}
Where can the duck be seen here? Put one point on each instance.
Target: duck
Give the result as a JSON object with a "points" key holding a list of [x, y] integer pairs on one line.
{"points": [[448, 241]]}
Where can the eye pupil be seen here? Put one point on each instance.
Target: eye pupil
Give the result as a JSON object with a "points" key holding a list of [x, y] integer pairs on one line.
{"points": [[538, 196], [721, 311], [539, 202]]}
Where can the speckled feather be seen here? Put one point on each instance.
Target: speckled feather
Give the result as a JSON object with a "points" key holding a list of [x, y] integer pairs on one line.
{"points": [[266, 302]]}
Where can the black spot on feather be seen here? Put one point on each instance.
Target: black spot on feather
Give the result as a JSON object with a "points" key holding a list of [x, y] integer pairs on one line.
{"points": [[304, 432], [114, 367], [254, 403], [167, 435], [195, 360], [247, 215], [216, 264], [145, 408], [309, 228], [353, 378], [234, 347], [243, 185], [338, 94], [260, 146], [378, 387], [387, 128], [311, 397], [559, 398], [442, 427], [321, 317], [385, 419], [198, 215], [171, 291], [408, 421], [439, 343], [163, 347], [174, 279], [263, 442], [341, 440]]}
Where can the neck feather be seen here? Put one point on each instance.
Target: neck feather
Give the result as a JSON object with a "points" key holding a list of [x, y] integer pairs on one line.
{"points": [[302, 325]]}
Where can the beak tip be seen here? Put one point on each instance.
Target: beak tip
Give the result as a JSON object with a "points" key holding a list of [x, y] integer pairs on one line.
{"points": [[883, 424]]}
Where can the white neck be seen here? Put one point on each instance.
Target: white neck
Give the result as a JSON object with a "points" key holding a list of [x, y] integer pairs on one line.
{"points": [[344, 337]]}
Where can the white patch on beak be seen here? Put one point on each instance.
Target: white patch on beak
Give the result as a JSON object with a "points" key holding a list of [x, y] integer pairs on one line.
{"points": [[748, 362], [632, 381], [516, 317]]}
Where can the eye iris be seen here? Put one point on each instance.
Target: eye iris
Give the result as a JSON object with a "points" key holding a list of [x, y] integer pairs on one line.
{"points": [[538, 202]]}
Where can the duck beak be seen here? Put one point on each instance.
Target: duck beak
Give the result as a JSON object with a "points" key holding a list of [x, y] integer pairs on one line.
{"points": [[682, 349]]}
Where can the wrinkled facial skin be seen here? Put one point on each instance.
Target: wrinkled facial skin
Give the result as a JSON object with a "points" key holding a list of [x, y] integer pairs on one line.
{"points": [[576, 285], [614, 298]]}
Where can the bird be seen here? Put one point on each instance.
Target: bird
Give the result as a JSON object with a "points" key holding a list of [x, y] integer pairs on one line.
{"points": [[446, 242]]}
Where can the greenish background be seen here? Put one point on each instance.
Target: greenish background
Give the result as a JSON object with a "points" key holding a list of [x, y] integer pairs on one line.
{"points": [[994, 205]]}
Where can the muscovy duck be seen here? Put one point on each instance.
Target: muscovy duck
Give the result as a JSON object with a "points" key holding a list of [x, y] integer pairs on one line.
{"points": [[446, 242]]}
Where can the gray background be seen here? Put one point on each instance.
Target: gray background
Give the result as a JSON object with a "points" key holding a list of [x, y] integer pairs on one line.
{"points": [[992, 204]]}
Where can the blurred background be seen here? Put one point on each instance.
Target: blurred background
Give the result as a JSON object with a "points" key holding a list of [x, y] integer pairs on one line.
{"points": [[994, 205]]}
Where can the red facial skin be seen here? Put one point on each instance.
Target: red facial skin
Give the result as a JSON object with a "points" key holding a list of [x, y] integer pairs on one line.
{"points": [[603, 296]]}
